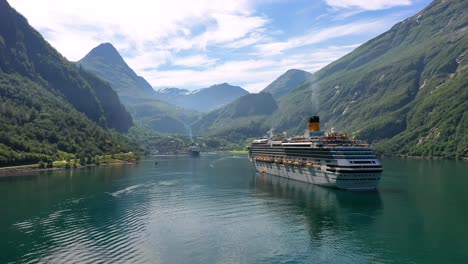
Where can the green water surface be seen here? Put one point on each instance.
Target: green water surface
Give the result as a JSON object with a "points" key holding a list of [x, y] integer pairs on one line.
{"points": [[215, 209]]}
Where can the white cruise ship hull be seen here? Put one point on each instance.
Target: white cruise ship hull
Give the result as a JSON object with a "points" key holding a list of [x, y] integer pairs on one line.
{"points": [[348, 181]]}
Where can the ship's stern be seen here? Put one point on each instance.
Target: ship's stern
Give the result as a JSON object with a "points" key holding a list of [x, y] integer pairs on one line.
{"points": [[363, 182]]}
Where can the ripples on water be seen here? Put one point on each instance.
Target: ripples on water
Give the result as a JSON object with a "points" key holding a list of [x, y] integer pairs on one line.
{"points": [[211, 209]]}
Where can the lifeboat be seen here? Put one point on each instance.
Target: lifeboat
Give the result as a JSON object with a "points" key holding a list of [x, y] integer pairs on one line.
{"points": [[310, 164], [278, 161], [298, 163], [289, 162]]}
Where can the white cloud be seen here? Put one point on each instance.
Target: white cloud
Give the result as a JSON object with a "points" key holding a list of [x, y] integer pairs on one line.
{"points": [[255, 87], [148, 60], [321, 35], [142, 22], [253, 74], [195, 44], [194, 61], [367, 5], [247, 41], [226, 28]]}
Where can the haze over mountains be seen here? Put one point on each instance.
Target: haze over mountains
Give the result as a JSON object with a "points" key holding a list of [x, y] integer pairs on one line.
{"points": [[203, 100], [249, 115]]}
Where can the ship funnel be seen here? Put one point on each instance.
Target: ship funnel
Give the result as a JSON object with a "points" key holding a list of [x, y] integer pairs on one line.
{"points": [[314, 123]]}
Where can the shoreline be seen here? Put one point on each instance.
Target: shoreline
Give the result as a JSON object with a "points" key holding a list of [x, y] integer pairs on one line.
{"points": [[17, 170], [12, 171]]}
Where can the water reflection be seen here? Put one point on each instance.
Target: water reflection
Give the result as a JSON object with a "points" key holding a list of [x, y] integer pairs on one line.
{"points": [[326, 209], [214, 209]]}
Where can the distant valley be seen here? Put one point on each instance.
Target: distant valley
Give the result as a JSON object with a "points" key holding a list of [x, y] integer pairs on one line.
{"points": [[169, 110], [245, 117]]}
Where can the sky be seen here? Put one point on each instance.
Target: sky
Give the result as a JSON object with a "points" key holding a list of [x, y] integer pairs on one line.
{"points": [[193, 44]]}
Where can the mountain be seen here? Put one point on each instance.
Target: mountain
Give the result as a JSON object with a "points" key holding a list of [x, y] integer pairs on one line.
{"points": [[405, 90], [106, 62], [24, 51], [203, 100], [242, 118], [171, 93], [48, 106], [135, 92], [286, 82]]}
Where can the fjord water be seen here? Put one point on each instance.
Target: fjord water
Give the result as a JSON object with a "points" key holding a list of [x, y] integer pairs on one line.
{"points": [[215, 209]]}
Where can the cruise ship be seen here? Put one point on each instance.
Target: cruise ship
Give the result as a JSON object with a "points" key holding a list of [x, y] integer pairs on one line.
{"points": [[328, 159]]}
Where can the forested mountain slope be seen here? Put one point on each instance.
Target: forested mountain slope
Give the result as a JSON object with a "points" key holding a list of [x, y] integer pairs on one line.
{"points": [[242, 118], [48, 106], [24, 51], [405, 90]]}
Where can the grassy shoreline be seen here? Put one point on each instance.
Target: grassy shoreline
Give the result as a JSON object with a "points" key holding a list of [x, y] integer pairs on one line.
{"points": [[103, 160], [238, 151]]}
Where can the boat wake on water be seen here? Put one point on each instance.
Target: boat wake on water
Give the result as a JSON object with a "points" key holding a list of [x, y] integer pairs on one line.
{"points": [[212, 164], [126, 190], [168, 183]]}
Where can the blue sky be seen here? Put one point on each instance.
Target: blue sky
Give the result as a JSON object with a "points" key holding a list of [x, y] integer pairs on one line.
{"points": [[195, 44]]}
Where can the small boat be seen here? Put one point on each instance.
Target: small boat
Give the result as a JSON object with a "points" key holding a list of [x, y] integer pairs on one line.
{"points": [[194, 150]]}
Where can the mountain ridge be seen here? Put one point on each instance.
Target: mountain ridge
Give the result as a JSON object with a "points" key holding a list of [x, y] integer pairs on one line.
{"points": [[105, 60], [389, 89], [286, 82], [204, 99], [240, 118]]}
